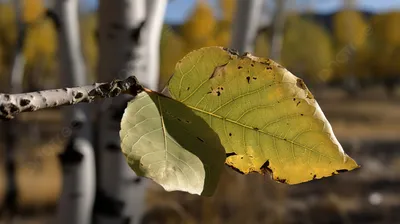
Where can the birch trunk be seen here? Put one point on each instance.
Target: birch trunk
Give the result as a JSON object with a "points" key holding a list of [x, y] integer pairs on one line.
{"points": [[11, 128], [247, 22], [278, 25], [122, 52], [77, 197]]}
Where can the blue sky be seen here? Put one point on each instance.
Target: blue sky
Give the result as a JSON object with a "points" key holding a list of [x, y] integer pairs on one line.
{"points": [[178, 10]]}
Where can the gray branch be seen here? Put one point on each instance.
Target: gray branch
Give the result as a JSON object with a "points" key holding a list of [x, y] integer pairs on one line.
{"points": [[13, 104]]}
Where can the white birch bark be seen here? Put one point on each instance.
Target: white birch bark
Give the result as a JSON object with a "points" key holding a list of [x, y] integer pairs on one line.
{"points": [[155, 11], [122, 52], [246, 24], [278, 24], [78, 189], [13, 104]]}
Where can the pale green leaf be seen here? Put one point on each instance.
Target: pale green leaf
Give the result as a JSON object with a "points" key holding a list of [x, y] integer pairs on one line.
{"points": [[266, 118], [165, 141]]}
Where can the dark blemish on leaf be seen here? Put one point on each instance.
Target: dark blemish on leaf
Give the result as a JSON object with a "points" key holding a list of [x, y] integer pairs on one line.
{"points": [[248, 79], [300, 83], [265, 168], [230, 134], [301, 114], [252, 65], [187, 88], [256, 129], [297, 104], [314, 177], [230, 154], [7, 97], [294, 99], [200, 139], [216, 69], [179, 119], [235, 169], [188, 122], [239, 67], [222, 88], [283, 181], [218, 93], [231, 51], [342, 170], [255, 78], [241, 157], [269, 68], [24, 102], [209, 92]]}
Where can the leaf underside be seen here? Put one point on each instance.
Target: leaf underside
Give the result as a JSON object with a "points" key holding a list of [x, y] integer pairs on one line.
{"points": [[266, 118], [164, 140]]}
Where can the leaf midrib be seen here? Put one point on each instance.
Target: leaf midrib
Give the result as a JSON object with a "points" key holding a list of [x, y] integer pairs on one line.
{"points": [[249, 127]]}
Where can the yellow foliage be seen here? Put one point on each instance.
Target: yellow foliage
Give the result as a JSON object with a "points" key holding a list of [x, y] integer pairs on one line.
{"points": [[228, 8], [386, 44], [33, 9], [41, 46], [351, 33], [172, 49], [7, 25], [308, 54], [350, 27], [199, 27], [223, 34], [89, 43], [262, 45]]}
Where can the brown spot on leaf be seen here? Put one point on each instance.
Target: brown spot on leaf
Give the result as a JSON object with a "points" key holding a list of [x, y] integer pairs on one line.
{"points": [[314, 177], [342, 171], [297, 104], [254, 78], [239, 67], [248, 79], [300, 83], [283, 181], [187, 88], [256, 129], [230, 134], [301, 114], [230, 154], [252, 65], [265, 168]]}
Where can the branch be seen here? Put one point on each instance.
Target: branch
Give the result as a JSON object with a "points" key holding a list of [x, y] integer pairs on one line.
{"points": [[13, 104]]}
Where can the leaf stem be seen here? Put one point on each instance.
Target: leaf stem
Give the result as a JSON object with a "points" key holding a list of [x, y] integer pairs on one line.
{"points": [[13, 104]]}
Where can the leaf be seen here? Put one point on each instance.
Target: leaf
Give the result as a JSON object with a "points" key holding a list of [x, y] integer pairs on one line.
{"points": [[266, 118], [165, 141]]}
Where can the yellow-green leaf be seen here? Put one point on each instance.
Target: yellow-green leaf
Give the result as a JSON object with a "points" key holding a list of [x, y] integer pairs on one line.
{"points": [[165, 141], [266, 118]]}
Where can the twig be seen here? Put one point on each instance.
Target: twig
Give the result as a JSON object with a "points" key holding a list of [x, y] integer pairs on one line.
{"points": [[13, 104]]}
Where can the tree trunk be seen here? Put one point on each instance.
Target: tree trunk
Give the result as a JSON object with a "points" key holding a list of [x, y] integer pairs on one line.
{"points": [[247, 21], [278, 25], [77, 197], [122, 52], [11, 127]]}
